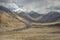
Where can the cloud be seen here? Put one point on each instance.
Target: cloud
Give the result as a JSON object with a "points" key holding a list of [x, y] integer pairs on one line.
{"points": [[6, 0], [11, 1], [40, 6]]}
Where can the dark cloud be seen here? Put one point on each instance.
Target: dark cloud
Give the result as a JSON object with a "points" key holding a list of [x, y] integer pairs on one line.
{"points": [[6, 0], [10, 1]]}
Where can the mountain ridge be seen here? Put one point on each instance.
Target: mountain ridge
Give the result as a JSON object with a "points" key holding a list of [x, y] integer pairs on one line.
{"points": [[31, 16], [51, 17]]}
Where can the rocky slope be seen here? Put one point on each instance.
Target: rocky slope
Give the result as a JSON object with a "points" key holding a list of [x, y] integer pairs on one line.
{"points": [[10, 21]]}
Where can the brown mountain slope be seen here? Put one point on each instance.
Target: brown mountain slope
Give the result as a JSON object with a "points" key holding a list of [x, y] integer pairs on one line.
{"points": [[10, 21]]}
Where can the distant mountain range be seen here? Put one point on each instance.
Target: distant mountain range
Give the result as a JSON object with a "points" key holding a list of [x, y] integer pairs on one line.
{"points": [[34, 14], [50, 17], [31, 16], [41, 18], [11, 20]]}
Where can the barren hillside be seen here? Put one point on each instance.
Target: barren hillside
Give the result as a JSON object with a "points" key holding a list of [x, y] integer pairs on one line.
{"points": [[10, 21]]}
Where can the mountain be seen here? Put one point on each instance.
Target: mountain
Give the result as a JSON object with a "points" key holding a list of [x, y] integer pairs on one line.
{"points": [[50, 17], [34, 14], [10, 21], [31, 16], [24, 15]]}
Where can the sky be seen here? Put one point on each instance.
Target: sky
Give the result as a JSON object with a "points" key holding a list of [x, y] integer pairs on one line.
{"points": [[40, 6]]}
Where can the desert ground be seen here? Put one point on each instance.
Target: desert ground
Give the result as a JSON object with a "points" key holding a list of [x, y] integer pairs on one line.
{"points": [[43, 33]]}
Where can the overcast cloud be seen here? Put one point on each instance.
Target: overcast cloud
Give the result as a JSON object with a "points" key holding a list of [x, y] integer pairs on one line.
{"points": [[40, 6]]}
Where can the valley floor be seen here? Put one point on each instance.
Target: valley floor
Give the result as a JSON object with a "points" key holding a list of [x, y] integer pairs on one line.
{"points": [[43, 33]]}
